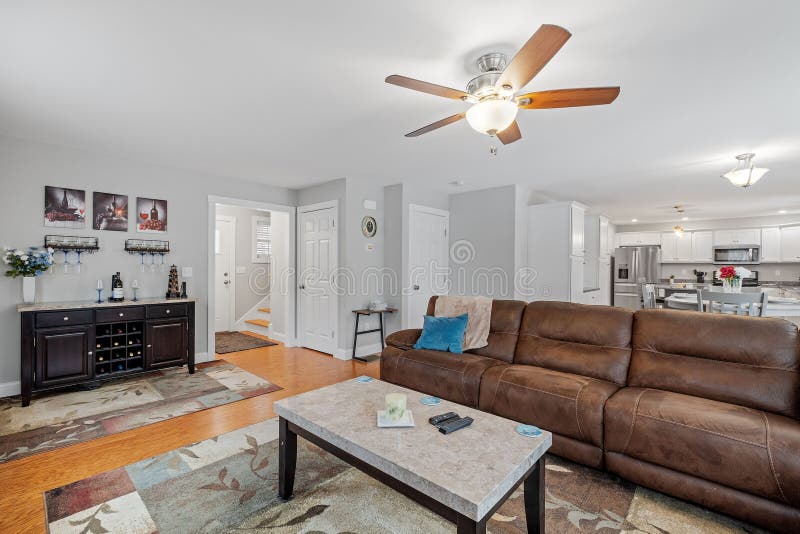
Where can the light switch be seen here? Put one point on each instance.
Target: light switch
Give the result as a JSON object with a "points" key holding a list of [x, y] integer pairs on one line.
{"points": [[370, 205], [370, 247], [241, 269], [186, 272]]}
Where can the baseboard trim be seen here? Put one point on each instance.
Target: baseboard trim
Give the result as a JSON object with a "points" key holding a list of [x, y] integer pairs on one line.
{"points": [[202, 357], [362, 350], [8, 389]]}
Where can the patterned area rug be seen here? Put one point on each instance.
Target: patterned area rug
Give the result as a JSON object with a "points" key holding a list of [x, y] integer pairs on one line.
{"points": [[229, 484], [226, 342], [68, 417]]}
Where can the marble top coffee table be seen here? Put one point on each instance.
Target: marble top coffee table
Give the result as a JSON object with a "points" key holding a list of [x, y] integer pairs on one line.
{"points": [[464, 476]]}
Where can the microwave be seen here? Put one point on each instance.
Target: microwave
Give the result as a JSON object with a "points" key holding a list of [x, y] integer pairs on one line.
{"points": [[737, 254]]}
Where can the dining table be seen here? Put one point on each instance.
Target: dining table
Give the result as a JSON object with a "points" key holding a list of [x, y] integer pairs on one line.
{"points": [[780, 302]]}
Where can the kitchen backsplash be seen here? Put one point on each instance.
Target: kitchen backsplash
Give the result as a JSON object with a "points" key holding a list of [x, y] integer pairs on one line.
{"points": [[772, 272]]}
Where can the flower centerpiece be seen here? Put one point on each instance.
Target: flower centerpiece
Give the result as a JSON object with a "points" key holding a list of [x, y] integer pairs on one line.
{"points": [[27, 264], [732, 278]]}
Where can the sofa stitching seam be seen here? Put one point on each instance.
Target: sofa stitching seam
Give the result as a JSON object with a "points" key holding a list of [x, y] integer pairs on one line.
{"points": [[499, 381], [769, 455], [539, 390], [433, 365], [577, 412], [704, 430], [628, 347], [633, 420], [717, 360]]}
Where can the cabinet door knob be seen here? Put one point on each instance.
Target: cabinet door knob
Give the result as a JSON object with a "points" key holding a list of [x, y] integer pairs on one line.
{"points": [[90, 353], [167, 312], [148, 346], [66, 318]]}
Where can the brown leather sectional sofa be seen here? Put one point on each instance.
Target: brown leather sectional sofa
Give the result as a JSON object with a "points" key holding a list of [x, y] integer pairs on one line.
{"points": [[699, 406]]}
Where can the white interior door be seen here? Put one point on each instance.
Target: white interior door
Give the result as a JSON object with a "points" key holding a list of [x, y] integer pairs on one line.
{"points": [[428, 260], [317, 259], [224, 292]]}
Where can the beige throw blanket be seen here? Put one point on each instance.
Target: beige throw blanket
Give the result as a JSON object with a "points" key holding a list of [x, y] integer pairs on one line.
{"points": [[479, 311]]}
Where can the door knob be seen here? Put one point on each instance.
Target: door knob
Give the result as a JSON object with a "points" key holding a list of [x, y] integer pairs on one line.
{"points": [[416, 287], [302, 286], [227, 282]]}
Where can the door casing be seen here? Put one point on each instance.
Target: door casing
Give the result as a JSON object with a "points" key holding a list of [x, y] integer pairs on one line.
{"points": [[231, 271]]}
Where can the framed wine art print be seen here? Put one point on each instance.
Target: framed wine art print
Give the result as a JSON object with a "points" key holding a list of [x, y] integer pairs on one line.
{"points": [[151, 215], [110, 212], [64, 207]]}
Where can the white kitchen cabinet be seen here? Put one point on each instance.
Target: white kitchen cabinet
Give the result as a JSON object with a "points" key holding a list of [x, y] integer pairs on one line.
{"points": [[702, 246], [771, 244], [555, 234], [790, 243], [683, 247], [676, 248], [605, 282], [606, 248], [634, 239], [738, 236], [592, 297]]}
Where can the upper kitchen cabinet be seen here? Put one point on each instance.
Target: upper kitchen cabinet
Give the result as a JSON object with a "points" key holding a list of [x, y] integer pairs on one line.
{"points": [[771, 244], [702, 246], [606, 242], [738, 236], [790, 243], [635, 239], [577, 214], [676, 248]]}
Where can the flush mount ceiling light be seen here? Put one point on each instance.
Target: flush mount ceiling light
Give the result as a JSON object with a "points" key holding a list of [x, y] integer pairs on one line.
{"points": [[745, 174], [678, 230]]}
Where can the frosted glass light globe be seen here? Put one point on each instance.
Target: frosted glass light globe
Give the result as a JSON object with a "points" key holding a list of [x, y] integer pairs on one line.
{"points": [[492, 116]]}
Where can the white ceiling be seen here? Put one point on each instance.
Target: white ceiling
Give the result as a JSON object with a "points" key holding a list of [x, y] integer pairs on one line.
{"points": [[292, 93]]}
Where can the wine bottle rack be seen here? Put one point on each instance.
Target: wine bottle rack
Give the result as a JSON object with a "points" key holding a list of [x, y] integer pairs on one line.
{"points": [[119, 348]]}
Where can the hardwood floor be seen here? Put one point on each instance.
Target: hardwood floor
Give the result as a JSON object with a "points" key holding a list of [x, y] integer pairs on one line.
{"points": [[296, 370]]}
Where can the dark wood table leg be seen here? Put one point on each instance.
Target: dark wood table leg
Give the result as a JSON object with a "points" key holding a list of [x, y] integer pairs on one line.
{"points": [[287, 459], [465, 525], [28, 355], [534, 499], [191, 338], [380, 320], [355, 335]]}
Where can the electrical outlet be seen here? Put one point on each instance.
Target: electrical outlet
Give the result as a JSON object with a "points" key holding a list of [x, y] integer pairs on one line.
{"points": [[777, 272], [186, 272]]}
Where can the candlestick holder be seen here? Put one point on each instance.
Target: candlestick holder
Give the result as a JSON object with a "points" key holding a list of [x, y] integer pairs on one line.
{"points": [[99, 296]]}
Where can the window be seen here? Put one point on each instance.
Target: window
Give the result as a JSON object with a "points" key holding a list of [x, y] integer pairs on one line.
{"points": [[262, 239]]}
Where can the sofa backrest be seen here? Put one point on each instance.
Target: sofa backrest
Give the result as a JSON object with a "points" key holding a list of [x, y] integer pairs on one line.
{"points": [[503, 330], [749, 361], [592, 341]]}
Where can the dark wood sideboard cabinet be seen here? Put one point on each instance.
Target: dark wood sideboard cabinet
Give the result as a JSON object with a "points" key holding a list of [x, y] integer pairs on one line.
{"points": [[86, 345]]}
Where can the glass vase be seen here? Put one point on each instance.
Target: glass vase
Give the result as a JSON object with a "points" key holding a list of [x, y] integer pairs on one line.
{"points": [[732, 285]]}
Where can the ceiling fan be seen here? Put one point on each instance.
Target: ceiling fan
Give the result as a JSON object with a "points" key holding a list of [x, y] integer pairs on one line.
{"points": [[493, 93]]}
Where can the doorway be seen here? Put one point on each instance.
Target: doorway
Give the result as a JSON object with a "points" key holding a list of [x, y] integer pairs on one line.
{"points": [[317, 259], [251, 261], [428, 259]]}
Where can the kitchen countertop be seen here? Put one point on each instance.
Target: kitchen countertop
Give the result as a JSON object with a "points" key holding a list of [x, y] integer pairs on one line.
{"points": [[83, 304]]}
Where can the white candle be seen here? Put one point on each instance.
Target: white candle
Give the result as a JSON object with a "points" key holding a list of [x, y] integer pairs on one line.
{"points": [[135, 284], [395, 406], [99, 284]]}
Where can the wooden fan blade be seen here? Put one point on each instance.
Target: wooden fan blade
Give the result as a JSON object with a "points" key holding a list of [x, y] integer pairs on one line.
{"points": [[425, 87], [568, 98], [438, 124], [533, 56], [510, 134]]}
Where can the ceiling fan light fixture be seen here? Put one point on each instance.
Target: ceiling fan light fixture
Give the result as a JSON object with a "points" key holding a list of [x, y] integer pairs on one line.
{"points": [[678, 230], [492, 116], [745, 174]]}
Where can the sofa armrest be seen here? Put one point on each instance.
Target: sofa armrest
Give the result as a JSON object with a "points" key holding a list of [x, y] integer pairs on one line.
{"points": [[404, 339]]}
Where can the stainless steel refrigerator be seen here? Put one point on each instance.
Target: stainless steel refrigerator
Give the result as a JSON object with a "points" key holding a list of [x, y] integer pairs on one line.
{"points": [[632, 267]]}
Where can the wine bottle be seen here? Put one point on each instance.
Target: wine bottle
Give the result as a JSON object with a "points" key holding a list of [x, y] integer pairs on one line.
{"points": [[99, 345], [100, 358], [154, 212], [117, 291]]}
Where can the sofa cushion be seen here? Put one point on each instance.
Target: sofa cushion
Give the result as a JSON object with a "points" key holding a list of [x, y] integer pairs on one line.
{"points": [[562, 403], [403, 339], [742, 448], [455, 377], [443, 333], [503, 330], [749, 361], [577, 338]]}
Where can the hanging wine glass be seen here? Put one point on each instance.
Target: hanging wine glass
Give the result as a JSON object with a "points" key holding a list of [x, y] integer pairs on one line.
{"points": [[78, 264], [141, 264], [163, 265], [152, 262], [66, 261]]}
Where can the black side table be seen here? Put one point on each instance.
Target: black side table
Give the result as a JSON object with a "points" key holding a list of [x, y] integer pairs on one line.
{"points": [[368, 312]]}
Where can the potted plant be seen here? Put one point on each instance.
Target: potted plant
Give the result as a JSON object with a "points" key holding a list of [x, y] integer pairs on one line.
{"points": [[27, 264], [732, 278]]}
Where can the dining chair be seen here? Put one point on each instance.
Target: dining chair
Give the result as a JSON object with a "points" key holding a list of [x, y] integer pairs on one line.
{"points": [[752, 304], [649, 296], [690, 304]]}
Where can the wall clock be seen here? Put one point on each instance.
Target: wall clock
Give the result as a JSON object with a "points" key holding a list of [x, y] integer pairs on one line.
{"points": [[369, 226]]}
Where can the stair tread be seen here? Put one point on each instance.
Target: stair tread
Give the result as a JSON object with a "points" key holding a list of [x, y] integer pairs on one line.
{"points": [[259, 322], [265, 310]]}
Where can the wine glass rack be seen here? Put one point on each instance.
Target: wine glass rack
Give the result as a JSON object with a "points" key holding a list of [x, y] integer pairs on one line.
{"points": [[119, 348], [146, 246], [71, 243]]}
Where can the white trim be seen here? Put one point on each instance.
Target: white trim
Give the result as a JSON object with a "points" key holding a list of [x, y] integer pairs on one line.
{"points": [[290, 297], [231, 271], [361, 351], [253, 313], [7, 389], [405, 318], [328, 204], [202, 357]]}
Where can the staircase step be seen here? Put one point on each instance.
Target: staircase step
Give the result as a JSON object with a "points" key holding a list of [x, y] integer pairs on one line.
{"points": [[265, 310], [258, 322]]}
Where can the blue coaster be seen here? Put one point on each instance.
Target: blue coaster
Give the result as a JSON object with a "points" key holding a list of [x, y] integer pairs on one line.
{"points": [[364, 379], [529, 431], [430, 401]]}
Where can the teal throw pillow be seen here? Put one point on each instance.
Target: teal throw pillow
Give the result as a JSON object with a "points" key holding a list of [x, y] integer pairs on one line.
{"points": [[443, 333]]}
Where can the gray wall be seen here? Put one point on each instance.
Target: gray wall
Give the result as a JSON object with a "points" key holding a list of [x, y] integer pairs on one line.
{"points": [[28, 167], [247, 294]]}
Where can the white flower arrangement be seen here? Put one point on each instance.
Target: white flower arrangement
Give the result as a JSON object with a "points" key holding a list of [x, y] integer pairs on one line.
{"points": [[32, 262]]}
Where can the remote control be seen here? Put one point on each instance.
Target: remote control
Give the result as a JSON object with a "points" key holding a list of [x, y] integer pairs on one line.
{"points": [[436, 420], [455, 424]]}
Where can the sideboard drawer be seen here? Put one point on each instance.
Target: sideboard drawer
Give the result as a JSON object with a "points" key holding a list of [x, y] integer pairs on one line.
{"points": [[64, 318], [162, 311], [121, 314]]}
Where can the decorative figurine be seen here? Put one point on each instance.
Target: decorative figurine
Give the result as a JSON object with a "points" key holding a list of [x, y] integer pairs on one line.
{"points": [[183, 290], [173, 290]]}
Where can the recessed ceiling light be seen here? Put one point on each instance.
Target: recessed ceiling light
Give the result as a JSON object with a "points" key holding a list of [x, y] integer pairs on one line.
{"points": [[782, 212], [457, 182], [634, 220], [685, 219]]}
